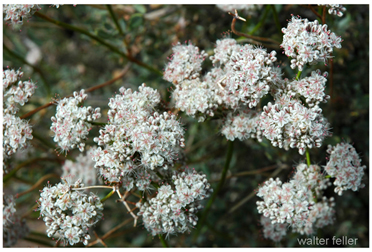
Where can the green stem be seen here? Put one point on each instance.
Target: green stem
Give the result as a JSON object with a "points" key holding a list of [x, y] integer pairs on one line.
{"points": [[219, 186], [99, 40], [261, 21], [308, 157], [98, 123], [107, 196], [38, 241], [328, 176], [163, 241], [298, 75], [36, 69], [109, 8], [276, 19]]}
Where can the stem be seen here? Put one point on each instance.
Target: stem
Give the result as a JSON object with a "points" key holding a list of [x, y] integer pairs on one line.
{"points": [[125, 70], [163, 241], [308, 157], [298, 75], [98, 123], [13, 172], [324, 14], [107, 196], [248, 35], [219, 186], [35, 68], [276, 19], [99, 40], [37, 184], [93, 187], [314, 11], [261, 21], [114, 19]]}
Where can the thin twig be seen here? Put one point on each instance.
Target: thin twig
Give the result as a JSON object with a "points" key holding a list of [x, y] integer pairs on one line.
{"points": [[127, 206], [101, 41], [315, 12], [37, 184], [125, 70]]}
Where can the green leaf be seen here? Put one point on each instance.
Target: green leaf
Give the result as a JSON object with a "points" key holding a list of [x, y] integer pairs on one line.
{"points": [[140, 8], [135, 21]]}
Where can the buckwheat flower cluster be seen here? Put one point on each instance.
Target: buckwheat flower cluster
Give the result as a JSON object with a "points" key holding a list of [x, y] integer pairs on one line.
{"points": [[17, 13], [308, 42], [241, 124], [285, 202], [246, 72], [246, 8], [345, 165], [335, 9], [311, 177], [69, 212], [291, 124], [274, 232], [16, 131], [82, 169], [321, 215], [174, 208], [185, 63], [137, 138], [13, 227], [71, 124]]}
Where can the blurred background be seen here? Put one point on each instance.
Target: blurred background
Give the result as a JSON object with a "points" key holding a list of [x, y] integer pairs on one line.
{"points": [[62, 60]]}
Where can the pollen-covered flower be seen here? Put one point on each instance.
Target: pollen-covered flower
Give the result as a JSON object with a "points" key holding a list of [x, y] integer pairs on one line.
{"points": [[174, 208], [138, 139], [17, 13], [69, 212], [345, 165], [14, 227], [71, 124], [308, 42]]}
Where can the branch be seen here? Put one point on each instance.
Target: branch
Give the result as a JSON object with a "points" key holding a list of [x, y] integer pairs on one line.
{"points": [[37, 184], [125, 70], [101, 41]]}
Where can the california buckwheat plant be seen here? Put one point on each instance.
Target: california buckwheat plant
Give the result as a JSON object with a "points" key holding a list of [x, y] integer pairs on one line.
{"points": [[200, 155]]}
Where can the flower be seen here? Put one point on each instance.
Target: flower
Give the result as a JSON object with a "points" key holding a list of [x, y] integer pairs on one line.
{"points": [[71, 124], [17, 13], [335, 9], [67, 212], [345, 165], [308, 42]]}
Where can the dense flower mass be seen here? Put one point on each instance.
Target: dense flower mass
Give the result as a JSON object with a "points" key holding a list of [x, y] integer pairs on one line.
{"points": [[174, 208], [345, 165], [308, 42], [335, 9], [17, 13], [82, 168], [137, 138], [69, 212], [295, 203], [71, 124], [16, 131], [14, 227]]}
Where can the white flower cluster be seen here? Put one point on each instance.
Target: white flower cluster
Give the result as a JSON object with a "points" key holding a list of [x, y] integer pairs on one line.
{"points": [[17, 13], [241, 76], [16, 131], [246, 8], [174, 208], [185, 63], [295, 203], [335, 9], [68, 213], [293, 125], [274, 232], [308, 42], [13, 227], [82, 169], [71, 124], [241, 124], [345, 165], [285, 202], [137, 137]]}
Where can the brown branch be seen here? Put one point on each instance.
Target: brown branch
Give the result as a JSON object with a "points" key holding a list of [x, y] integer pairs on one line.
{"points": [[235, 17], [37, 184], [125, 70], [314, 11], [324, 14]]}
